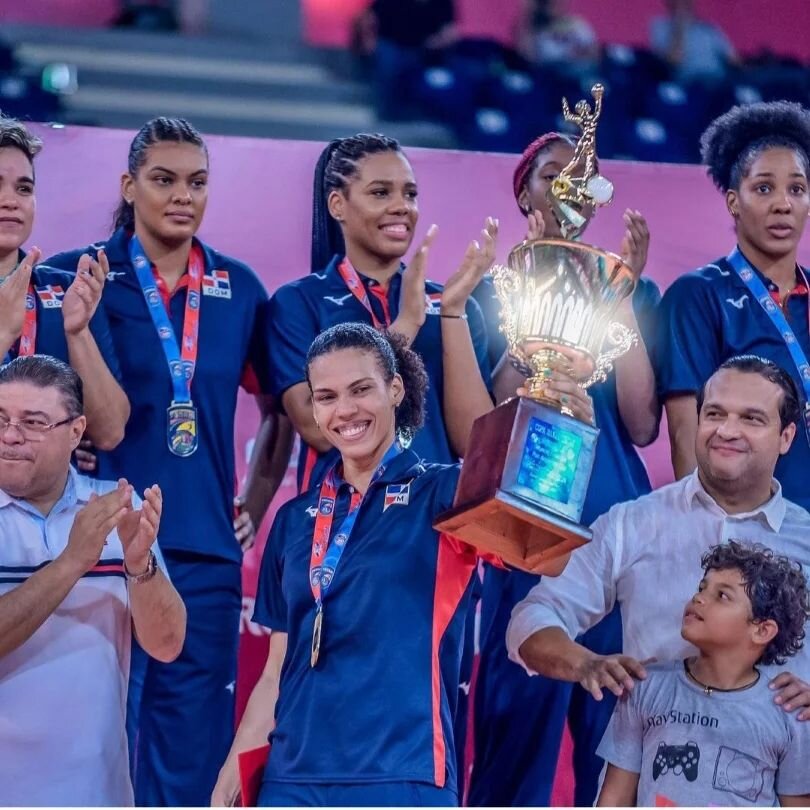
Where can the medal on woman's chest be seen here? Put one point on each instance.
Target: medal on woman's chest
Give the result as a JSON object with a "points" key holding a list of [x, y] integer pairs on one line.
{"points": [[317, 630]]}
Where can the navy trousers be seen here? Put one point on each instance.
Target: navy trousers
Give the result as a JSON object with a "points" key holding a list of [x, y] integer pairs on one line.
{"points": [[519, 720], [180, 716]]}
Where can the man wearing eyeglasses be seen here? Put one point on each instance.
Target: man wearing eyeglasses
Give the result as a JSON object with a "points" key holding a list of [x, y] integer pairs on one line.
{"points": [[80, 570]]}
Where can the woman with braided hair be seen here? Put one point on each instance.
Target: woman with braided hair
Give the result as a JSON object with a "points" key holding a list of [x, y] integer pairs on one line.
{"points": [[755, 300], [364, 217], [188, 327], [519, 721]]}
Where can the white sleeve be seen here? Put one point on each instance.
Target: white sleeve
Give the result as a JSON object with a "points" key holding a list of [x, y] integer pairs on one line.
{"points": [[576, 600]]}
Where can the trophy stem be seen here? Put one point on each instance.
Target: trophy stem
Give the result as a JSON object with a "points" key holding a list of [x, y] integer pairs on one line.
{"points": [[542, 363]]}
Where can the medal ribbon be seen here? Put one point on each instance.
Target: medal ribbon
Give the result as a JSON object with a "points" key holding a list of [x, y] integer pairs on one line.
{"points": [[759, 291], [181, 361], [354, 283], [325, 556], [28, 337]]}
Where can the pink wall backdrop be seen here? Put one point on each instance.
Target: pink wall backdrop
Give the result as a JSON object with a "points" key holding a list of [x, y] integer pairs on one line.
{"points": [[260, 212], [750, 24]]}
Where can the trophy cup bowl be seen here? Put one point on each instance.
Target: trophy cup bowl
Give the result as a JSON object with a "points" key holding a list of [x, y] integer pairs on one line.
{"points": [[525, 476]]}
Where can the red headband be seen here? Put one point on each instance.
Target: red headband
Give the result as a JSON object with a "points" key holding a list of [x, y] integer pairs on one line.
{"points": [[524, 167]]}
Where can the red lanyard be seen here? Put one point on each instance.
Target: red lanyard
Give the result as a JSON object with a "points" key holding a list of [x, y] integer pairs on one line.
{"points": [[28, 338], [352, 280], [323, 528]]}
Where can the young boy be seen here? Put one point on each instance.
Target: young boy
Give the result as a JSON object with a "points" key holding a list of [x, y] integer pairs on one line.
{"points": [[706, 731]]}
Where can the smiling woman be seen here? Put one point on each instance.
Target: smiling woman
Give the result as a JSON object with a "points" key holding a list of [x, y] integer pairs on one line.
{"points": [[365, 215], [188, 325], [366, 600], [755, 300]]}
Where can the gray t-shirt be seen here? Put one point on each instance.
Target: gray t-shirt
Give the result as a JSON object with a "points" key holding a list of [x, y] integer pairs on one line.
{"points": [[690, 748]]}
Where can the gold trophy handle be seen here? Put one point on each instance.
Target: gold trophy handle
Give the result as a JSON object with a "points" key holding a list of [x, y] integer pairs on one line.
{"points": [[623, 339]]}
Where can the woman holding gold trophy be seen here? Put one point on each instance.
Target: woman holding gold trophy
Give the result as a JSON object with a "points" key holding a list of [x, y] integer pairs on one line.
{"points": [[519, 721]]}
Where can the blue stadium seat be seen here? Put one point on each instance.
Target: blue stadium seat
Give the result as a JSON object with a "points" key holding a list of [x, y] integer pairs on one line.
{"points": [[446, 96], [492, 130], [649, 139]]}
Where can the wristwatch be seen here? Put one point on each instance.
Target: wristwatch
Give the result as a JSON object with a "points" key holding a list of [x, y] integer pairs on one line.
{"points": [[146, 575]]}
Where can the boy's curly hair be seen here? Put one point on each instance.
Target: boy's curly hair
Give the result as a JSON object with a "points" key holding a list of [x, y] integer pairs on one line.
{"points": [[777, 589]]}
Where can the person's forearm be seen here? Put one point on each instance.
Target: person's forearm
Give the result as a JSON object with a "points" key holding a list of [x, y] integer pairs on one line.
{"points": [[407, 329], [258, 719], [268, 464], [24, 609], [639, 407], [682, 424], [105, 404], [158, 616], [551, 653], [465, 395]]}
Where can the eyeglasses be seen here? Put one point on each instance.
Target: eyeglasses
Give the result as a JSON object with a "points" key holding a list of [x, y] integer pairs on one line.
{"points": [[32, 428]]}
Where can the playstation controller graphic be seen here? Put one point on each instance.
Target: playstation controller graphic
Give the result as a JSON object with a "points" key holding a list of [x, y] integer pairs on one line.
{"points": [[679, 759]]}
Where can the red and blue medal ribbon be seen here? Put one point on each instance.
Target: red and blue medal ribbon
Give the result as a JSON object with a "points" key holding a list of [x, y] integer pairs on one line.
{"points": [[325, 556], [354, 284], [28, 338], [182, 432], [760, 292]]}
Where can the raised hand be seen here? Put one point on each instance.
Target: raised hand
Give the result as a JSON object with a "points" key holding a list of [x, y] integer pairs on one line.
{"points": [[12, 297], [412, 293], [477, 260], [92, 524], [138, 528], [84, 294], [636, 242], [536, 226]]}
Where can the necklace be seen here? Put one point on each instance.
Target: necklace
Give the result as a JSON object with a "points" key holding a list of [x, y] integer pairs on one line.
{"points": [[709, 690]]}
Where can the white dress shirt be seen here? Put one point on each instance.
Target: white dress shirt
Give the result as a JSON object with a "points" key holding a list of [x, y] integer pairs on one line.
{"points": [[63, 693], [645, 555]]}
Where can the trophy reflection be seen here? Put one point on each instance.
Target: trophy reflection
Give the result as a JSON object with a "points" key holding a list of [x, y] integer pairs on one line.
{"points": [[529, 461]]}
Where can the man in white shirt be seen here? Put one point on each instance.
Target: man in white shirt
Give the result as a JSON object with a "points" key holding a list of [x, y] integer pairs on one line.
{"points": [[77, 574], [644, 553]]}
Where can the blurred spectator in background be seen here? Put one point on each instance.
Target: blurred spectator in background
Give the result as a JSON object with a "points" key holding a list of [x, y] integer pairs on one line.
{"points": [[695, 49], [148, 15], [399, 33], [549, 37]]}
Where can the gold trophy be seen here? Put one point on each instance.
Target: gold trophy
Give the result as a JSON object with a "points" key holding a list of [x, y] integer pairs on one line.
{"points": [[526, 473]]}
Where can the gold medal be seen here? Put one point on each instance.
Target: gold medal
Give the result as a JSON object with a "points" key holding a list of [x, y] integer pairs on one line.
{"points": [[316, 636]]}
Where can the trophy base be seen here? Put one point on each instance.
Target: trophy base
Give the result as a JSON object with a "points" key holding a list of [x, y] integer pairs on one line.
{"points": [[523, 484], [517, 532]]}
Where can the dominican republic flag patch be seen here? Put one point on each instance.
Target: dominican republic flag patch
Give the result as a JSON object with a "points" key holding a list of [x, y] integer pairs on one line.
{"points": [[433, 303], [218, 284], [397, 495], [50, 295]]}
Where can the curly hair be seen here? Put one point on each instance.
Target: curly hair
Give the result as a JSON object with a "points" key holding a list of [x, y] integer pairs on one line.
{"points": [[393, 357], [735, 139], [338, 164], [777, 589]]}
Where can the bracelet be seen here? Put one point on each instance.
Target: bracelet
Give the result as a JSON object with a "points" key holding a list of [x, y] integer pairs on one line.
{"points": [[144, 576], [454, 317]]}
